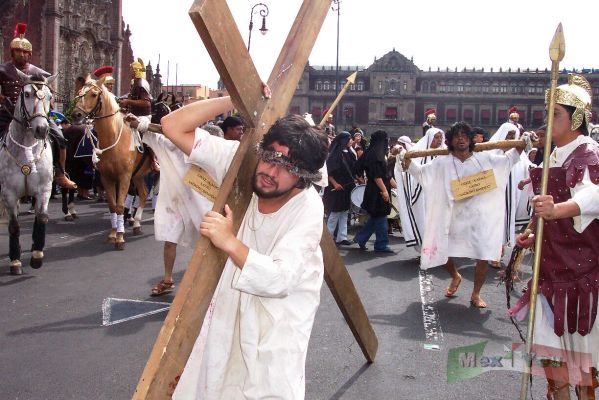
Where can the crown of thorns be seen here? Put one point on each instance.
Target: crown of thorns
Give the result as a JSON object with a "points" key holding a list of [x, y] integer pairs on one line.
{"points": [[279, 159]]}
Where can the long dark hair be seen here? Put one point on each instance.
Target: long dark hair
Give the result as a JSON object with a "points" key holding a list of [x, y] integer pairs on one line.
{"points": [[378, 148], [457, 128]]}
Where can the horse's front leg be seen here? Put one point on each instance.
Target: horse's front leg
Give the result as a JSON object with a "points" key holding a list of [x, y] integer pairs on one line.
{"points": [[14, 233], [71, 204], [39, 231], [110, 188], [65, 206], [123, 187]]}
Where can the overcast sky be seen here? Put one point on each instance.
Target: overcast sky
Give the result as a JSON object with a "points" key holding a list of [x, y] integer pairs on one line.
{"points": [[436, 33]]}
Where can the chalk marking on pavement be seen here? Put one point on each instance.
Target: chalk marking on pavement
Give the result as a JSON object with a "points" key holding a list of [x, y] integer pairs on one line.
{"points": [[110, 301], [430, 315]]}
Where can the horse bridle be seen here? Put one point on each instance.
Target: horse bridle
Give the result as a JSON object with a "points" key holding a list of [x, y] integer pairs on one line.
{"points": [[39, 94], [91, 115]]}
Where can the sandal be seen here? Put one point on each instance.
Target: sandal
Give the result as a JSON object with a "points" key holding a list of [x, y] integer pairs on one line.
{"points": [[451, 289], [163, 287]]}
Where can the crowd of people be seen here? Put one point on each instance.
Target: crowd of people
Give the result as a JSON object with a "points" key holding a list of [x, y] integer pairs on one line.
{"points": [[255, 338]]}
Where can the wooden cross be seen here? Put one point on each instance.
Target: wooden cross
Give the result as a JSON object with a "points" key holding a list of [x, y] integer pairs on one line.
{"points": [[222, 39]]}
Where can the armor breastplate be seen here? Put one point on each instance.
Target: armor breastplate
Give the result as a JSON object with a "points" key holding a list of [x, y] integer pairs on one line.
{"points": [[10, 84], [140, 91], [569, 260]]}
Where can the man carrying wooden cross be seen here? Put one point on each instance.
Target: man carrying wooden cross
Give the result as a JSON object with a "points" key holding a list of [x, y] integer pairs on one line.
{"points": [[255, 342], [464, 206]]}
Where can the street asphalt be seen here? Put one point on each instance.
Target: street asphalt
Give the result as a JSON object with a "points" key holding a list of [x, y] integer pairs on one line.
{"points": [[53, 344]]}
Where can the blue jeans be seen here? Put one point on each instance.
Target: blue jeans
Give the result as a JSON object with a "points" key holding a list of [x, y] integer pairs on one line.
{"points": [[378, 226], [338, 219]]}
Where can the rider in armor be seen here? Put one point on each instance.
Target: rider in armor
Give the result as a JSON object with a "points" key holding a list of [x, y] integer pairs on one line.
{"points": [[10, 87], [106, 71], [514, 118], [138, 103], [139, 100], [431, 119]]}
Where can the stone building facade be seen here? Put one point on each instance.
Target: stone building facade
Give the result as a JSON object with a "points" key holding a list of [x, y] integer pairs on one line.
{"points": [[393, 93], [72, 37]]}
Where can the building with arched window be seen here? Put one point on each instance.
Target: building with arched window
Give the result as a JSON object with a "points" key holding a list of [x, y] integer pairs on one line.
{"points": [[392, 94]]}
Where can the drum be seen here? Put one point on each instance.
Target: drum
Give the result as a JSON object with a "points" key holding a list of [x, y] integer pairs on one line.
{"points": [[357, 195]]}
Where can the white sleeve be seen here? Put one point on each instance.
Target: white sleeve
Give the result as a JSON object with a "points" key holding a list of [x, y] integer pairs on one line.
{"points": [[424, 174], [586, 195], [278, 274], [212, 153]]}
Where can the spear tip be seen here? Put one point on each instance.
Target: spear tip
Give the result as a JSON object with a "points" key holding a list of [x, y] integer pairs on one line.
{"points": [[352, 77], [557, 49]]}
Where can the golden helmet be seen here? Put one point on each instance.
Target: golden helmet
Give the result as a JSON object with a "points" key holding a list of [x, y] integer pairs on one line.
{"points": [[138, 68], [19, 42], [576, 93], [514, 115], [430, 115]]}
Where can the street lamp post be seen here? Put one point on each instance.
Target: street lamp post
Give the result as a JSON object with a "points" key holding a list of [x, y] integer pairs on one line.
{"points": [[337, 8], [263, 10]]}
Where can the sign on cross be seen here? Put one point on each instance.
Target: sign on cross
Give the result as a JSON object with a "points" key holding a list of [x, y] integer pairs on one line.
{"points": [[222, 39]]}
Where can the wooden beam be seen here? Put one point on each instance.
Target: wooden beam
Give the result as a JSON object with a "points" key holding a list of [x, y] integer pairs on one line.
{"points": [[217, 28], [347, 298]]}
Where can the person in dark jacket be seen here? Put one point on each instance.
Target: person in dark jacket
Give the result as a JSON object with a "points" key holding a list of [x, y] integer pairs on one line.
{"points": [[337, 196], [377, 195]]}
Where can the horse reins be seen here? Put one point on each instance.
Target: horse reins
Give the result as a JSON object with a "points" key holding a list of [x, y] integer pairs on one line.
{"points": [[92, 114]]}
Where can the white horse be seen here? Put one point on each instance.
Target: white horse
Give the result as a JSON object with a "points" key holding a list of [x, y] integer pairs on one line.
{"points": [[26, 165]]}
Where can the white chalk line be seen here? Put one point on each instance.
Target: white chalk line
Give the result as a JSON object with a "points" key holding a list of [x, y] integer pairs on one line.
{"points": [[430, 315], [107, 310]]}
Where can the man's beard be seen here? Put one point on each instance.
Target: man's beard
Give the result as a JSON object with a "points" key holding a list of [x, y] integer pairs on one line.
{"points": [[268, 195]]}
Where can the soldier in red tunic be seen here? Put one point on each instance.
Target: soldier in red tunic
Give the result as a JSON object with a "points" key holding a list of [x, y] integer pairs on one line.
{"points": [[566, 310], [10, 87]]}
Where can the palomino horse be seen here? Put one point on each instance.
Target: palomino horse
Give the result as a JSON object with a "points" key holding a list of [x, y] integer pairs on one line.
{"points": [[26, 166], [116, 155]]}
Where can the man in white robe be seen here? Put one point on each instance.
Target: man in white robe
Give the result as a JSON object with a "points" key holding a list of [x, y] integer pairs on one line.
{"points": [[179, 209], [516, 202], [255, 344], [468, 227], [411, 199]]}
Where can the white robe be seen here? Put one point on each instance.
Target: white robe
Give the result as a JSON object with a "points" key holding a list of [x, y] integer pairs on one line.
{"points": [[179, 209], [255, 345], [412, 221], [469, 227], [516, 204], [410, 196]]}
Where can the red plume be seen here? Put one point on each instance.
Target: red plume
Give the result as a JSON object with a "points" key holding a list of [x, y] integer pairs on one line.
{"points": [[20, 29], [513, 109], [430, 111], [103, 70]]}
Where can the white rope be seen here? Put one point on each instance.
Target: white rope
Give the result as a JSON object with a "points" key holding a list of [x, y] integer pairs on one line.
{"points": [[98, 151], [31, 160]]}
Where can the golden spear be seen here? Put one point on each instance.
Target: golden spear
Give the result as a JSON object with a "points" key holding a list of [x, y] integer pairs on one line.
{"points": [[350, 80], [557, 50]]}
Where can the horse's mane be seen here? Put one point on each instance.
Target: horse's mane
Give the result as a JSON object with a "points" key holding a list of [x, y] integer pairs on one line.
{"points": [[107, 96], [37, 77]]}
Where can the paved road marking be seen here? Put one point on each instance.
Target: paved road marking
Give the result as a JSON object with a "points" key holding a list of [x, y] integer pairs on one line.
{"points": [[115, 311], [430, 315]]}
